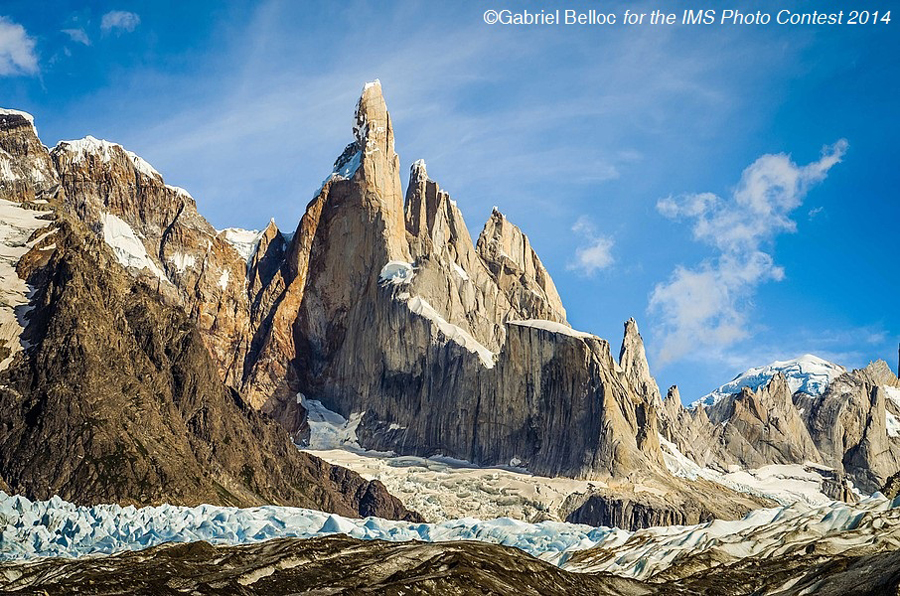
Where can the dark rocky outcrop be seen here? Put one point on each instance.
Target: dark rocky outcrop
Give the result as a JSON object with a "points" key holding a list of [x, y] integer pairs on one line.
{"points": [[622, 512], [331, 565], [119, 400], [891, 488], [671, 501]]}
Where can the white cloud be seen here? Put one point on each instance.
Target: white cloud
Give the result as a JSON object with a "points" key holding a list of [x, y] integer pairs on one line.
{"points": [[596, 252], [78, 35], [17, 55], [706, 308], [120, 20]]}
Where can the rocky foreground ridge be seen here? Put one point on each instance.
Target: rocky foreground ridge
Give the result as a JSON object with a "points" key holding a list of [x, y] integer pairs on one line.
{"points": [[382, 307], [343, 565]]}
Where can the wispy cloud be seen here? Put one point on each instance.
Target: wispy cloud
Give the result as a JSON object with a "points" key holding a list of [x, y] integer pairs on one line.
{"points": [[17, 53], [120, 20], [706, 307], [595, 253], [78, 35], [490, 134]]}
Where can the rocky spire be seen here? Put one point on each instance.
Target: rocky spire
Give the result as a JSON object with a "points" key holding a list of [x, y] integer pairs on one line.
{"points": [[267, 258], [380, 165], [633, 361], [423, 199], [516, 268], [672, 405], [434, 224]]}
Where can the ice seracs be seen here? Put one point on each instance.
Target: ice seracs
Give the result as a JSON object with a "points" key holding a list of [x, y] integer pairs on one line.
{"points": [[58, 528], [809, 374]]}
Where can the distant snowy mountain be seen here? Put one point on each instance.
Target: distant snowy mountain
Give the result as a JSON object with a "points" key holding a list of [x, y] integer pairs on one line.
{"points": [[809, 374]]}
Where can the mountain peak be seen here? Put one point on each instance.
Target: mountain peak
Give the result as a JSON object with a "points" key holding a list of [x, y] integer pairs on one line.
{"points": [[372, 119], [633, 360], [106, 151], [418, 170], [12, 118], [807, 373]]}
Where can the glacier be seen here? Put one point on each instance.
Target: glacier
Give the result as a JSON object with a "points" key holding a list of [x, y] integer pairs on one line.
{"points": [[57, 528]]}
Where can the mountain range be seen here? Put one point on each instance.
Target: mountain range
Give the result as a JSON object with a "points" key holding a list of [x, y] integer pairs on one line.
{"points": [[148, 358]]}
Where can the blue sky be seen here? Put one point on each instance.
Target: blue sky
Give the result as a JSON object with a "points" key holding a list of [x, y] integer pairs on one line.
{"points": [[732, 188]]}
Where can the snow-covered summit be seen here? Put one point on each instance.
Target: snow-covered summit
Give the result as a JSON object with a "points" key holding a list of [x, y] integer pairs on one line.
{"points": [[809, 374], [81, 148], [10, 112]]}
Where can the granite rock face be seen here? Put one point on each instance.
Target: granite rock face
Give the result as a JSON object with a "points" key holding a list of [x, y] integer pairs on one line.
{"points": [[391, 314], [635, 368]]}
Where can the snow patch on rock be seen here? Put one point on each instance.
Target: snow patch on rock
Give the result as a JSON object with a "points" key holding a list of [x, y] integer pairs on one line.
{"points": [[182, 261], [456, 334], [328, 429], [893, 394], [127, 247], [343, 170], [893, 424], [460, 272], [784, 484], [243, 241], [397, 273], [180, 191], [552, 327], [17, 225]]}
